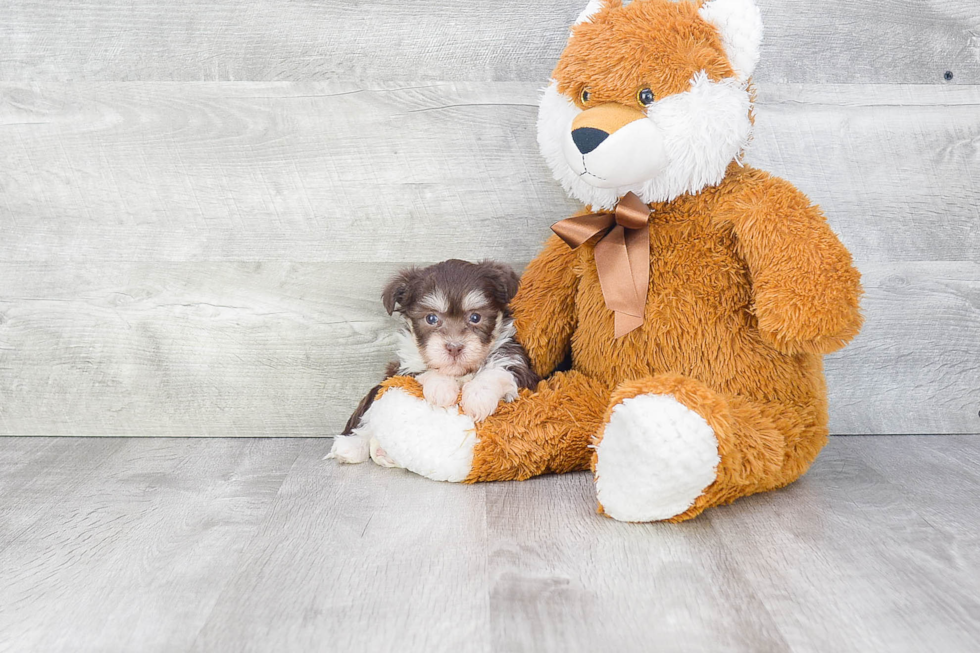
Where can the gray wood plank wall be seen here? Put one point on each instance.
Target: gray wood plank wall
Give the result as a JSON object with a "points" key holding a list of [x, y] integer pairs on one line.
{"points": [[199, 203]]}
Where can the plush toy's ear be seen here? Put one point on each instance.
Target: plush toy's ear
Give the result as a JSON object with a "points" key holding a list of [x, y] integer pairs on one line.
{"points": [[740, 24], [594, 7], [397, 289], [502, 279]]}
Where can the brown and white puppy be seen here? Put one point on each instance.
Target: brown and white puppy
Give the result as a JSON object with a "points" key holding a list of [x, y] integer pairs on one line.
{"points": [[458, 340]]}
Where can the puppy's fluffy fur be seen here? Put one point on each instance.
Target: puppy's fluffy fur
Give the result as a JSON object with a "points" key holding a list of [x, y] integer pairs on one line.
{"points": [[458, 340]]}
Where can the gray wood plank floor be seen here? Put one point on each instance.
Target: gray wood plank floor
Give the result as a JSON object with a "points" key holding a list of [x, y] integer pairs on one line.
{"points": [[123, 544]]}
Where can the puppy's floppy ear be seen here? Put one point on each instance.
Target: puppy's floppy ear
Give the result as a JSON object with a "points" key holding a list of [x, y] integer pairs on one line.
{"points": [[397, 289], [503, 280]]}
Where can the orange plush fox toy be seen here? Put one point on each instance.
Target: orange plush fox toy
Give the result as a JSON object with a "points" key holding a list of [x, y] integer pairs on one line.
{"points": [[696, 295]]}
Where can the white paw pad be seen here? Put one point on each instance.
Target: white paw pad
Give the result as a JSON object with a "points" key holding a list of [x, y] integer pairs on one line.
{"points": [[655, 458], [349, 449], [439, 390], [483, 393]]}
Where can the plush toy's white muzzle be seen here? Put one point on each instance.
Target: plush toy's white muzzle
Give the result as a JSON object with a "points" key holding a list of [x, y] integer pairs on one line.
{"points": [[631, 154], [680, 144]]}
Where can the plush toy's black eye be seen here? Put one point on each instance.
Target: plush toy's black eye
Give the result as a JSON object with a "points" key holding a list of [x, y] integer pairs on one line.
{"points": [[645, 96], [475, 318], [432, 319], [586, 95]]}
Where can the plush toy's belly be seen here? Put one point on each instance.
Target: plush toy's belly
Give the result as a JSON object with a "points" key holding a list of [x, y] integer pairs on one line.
{"points": [[698, 322]]}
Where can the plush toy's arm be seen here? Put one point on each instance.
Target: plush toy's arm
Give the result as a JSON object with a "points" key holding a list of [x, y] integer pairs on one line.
{"points": [[544, 307], [805, 287]]}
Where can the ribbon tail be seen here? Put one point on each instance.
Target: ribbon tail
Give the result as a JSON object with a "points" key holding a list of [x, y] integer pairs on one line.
{"points": [[638, 252], [625, 323], [612, 264]]}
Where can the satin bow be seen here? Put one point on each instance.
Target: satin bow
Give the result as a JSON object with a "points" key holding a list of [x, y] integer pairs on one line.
{"points": [[622, 256]]}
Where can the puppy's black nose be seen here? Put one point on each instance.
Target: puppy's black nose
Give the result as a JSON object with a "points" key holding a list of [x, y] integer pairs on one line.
{"points": [[454, 349], [587, 139]]}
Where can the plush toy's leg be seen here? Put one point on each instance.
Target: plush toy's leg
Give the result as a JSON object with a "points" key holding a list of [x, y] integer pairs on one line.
{"points": [[671, 447], [549, 430]]}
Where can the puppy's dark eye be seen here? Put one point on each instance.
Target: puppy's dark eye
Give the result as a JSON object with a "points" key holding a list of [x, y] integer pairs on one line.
{"points": [[475, 318], [586, 96], [432, 319], [645, 97]]}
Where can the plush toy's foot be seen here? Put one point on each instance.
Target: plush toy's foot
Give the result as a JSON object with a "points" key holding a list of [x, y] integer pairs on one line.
{"points": [[349, 449], [380, 456], [429, 440], [653, 459]]}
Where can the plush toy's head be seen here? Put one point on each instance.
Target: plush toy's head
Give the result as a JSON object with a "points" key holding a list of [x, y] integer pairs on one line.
{"points": [[652, 97]]}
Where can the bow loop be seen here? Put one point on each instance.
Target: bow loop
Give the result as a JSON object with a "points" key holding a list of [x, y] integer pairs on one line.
{"points": [[622, 256], [632, 212]]}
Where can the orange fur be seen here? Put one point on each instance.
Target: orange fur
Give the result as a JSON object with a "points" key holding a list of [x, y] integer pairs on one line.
{"points": [[652, 43], [748, 285], [748, 288]]}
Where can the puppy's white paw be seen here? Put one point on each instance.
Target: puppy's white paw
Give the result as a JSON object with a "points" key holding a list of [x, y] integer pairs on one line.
{"points": [[479, 402], [485, 391], [379, 456], [439, 390], [351, 449]]}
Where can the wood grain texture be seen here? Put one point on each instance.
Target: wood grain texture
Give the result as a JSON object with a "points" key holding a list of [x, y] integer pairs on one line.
{"points": [[203, 259], [287, 349], [351, 558], [551, 586], [133, 557], [896, 41], [218, 349], [258, 545], [914, 367], [854, 536], [348, 172], [26, 494]]}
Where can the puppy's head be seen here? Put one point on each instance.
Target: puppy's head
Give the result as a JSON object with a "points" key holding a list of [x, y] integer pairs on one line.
{"points": [[454, 310]]}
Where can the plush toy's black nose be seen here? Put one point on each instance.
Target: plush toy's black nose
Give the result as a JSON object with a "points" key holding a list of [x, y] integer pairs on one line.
{"points": [[588, 138]]}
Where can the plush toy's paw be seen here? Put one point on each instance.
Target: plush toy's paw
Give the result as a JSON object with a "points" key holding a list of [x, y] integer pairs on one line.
{"points": [[379, 456], [485, 391], [439, 390], [433, 442], [655, 457], [349, 449]]}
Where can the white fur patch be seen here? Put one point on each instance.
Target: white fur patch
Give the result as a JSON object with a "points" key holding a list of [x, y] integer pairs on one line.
{"points": [[474, 299], [410, 359], [503, 332], [485, 391], [433, 442], [695, 136], [379, 456], [435, 301], [591, 9], [439, 389], [655, 458], [630, 155], [351, 449], [739, 22]]}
